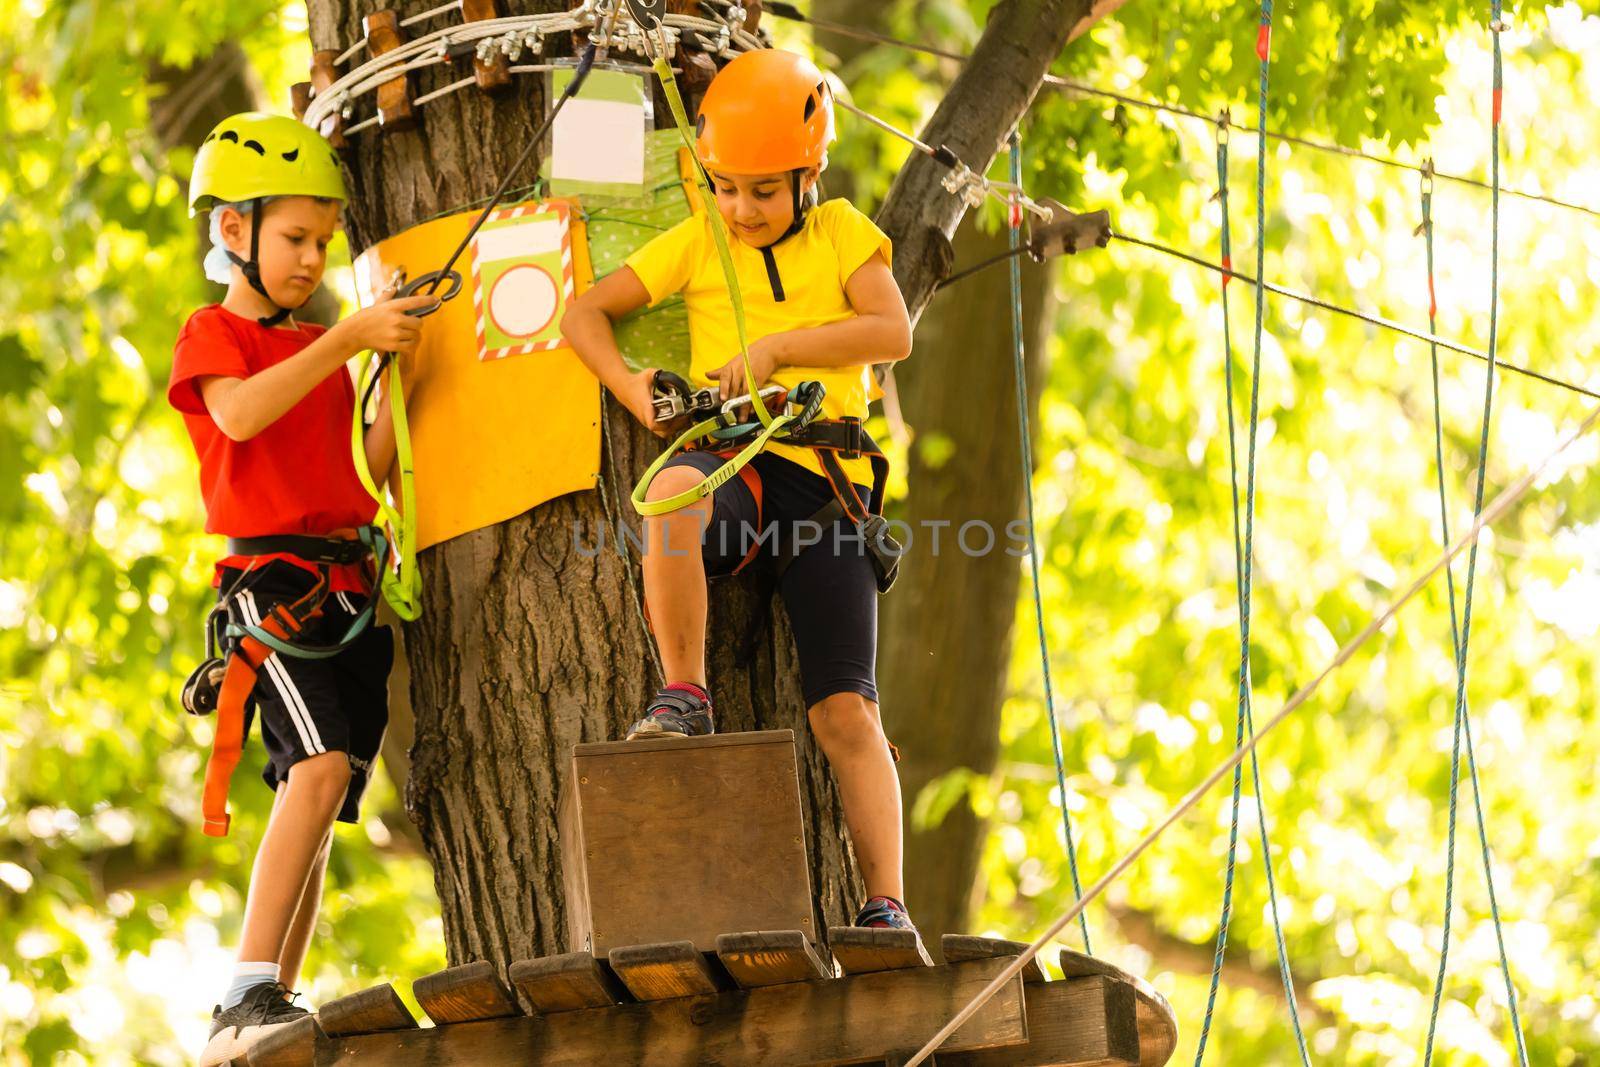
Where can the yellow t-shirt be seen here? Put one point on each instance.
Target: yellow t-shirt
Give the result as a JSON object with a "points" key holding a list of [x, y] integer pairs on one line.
{"points": [[812, 267]]}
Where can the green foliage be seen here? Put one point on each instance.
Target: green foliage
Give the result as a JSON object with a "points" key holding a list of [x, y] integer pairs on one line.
{"points": [[111, 901]]}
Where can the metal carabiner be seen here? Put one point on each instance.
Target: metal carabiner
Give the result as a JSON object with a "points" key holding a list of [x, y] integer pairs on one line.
{"points": [[410, 289]]}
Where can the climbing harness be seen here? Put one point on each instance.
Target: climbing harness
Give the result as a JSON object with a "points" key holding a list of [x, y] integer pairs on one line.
{"points": [[737, 444], [1025, 454], [237, 646]]}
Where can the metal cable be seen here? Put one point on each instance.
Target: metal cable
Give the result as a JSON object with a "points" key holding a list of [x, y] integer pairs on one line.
{"points": [[1374, 320], [790, 12]]}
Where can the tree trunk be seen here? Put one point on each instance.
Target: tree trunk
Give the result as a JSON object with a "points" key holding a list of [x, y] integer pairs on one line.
{"points": [[947, 682], [525, 646]]}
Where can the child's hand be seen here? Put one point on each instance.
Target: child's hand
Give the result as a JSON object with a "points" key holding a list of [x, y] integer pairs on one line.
{"points": [[385, 326], [763, 363], [637, 394]]}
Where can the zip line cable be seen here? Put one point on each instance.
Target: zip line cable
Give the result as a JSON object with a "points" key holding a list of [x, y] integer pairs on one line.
{"points": [[794, 14], [1487, 517], [1374, 320]]}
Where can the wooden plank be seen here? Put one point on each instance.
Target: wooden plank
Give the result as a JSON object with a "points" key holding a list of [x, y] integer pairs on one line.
{"points": [[299, 98], [1079, 1022], [395, 110], [958, 948], [293, 1045], [770, 957], [323, 75], [864, 949], [716, 820], [567, 983], [1158, 1024], [845, 1020], [464, 994], [369, 1011], [493, 75], [664, 971]]}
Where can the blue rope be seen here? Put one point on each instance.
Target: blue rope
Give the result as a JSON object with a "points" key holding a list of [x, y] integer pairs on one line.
{"points": [[1226, 918], [1460, 639], [1243, 571], [1033, 538]]}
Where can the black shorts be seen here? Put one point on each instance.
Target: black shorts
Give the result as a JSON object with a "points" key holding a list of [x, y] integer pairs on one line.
{"points": [[312, 706], [831, 588]]}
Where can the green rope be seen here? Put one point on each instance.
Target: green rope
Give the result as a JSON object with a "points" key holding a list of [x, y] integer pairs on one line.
{"points": [[1033, 536], [1460, 639]]}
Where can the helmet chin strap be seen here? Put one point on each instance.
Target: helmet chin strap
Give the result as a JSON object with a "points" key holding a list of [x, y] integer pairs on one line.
{"points": [[251, 268], [799, 219]]}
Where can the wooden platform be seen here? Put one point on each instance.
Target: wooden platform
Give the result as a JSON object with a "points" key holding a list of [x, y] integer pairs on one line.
{"points": [[762, 998]]}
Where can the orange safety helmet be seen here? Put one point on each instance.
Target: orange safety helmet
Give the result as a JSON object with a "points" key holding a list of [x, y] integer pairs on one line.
{"points": [[766, 112]]}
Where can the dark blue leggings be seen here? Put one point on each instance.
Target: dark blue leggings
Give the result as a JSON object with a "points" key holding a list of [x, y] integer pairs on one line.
{"points": [[830, 590]]}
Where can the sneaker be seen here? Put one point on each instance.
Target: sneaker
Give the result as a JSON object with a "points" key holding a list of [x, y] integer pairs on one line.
{"points": [[235, 1032], [884, 913], [679, 710]]}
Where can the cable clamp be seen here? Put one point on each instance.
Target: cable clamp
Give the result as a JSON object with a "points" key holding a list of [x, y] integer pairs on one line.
{"points": [[1224, 126], [962, 182], [735, 14], [1499, 25]]}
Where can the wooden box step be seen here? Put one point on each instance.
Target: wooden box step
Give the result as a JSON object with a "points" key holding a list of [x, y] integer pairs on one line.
{"points": [[716, 820]]}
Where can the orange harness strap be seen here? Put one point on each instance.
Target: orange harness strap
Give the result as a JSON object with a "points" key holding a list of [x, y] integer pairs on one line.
{"points": [[244, 664]]}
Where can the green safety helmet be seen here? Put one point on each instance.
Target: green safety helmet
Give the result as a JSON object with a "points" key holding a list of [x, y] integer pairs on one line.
{"points": [[252, 155]]}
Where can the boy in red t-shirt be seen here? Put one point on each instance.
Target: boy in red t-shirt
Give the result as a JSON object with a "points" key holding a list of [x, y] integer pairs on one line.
{"points": [[268, 403]]}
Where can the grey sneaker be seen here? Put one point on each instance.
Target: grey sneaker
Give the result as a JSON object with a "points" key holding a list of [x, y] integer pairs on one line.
{"points": [[235, 1031]]}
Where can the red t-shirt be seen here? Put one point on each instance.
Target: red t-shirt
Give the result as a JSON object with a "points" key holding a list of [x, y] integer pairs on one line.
{"points": [[294, 477]]}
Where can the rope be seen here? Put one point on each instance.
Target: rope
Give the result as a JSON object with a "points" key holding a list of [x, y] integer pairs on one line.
{"points": [[1461, 641], [1226, 918], [1361, 316], [1496, 508], [1026, 456], [793, 14], [1264, 56], [1455, 635]]}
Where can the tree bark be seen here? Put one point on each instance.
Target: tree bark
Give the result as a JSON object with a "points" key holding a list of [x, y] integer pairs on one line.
{"points": [[526, 646]]}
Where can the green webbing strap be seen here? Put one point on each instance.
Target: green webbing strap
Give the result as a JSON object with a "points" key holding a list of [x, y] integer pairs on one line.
{"points": [[770, 424], [400, 584]]}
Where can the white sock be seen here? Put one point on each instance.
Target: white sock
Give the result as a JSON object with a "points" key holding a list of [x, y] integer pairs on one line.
{"points": [[246, 976]]}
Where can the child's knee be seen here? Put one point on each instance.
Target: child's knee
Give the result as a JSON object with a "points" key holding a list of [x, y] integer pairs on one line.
{"points": [[846, 722], [673, 480], [322, 779]]}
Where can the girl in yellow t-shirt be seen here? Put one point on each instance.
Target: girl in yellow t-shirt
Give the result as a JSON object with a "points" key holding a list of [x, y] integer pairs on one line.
{"points": [[821, 304]]}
